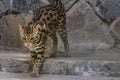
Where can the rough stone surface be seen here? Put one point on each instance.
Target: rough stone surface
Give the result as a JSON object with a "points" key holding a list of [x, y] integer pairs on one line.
{"points": [[14, 66], [71, 67], [116, 27], [79, 67], [59, 68], [86, 68], [19, 76], [25, 5], [4, 5], [94, 65], [108, 8], [10, 38], [86, 31]]}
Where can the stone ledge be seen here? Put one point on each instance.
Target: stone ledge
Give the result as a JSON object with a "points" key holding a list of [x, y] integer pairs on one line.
{"points": [[24, 76], [80, 66]]}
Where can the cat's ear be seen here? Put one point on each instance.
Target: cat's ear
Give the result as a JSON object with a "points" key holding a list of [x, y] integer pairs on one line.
{"points": [[21, 29], [44, 27]]}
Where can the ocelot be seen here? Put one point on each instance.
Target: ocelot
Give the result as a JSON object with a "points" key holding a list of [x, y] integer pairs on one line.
{"points": [[46, 22]]}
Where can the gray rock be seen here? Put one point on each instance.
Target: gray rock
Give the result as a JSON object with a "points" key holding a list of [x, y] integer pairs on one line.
{"points": [[86, 68], [25, 5], [59, 68], [4, 5], [116, 27], [91, 38], [21, 76], [109, 9], [66, 67], [85, 65], [14, 66], [86, 31], [10, 38]]}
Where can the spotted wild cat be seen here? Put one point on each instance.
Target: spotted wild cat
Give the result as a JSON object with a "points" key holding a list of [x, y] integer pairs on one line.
{"points": [[46, 22]]}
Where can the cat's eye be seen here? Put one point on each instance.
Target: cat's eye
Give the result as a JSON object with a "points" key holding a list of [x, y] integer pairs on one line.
{"points": [[23, 38], [30, 23], [32, 39], [42, 31]]}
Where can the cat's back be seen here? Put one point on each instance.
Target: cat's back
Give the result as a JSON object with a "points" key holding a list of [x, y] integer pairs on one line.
{"points": [[45, 13]]}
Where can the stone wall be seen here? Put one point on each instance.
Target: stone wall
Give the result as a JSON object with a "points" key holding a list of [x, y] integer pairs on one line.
{"points": [[87, 31]]}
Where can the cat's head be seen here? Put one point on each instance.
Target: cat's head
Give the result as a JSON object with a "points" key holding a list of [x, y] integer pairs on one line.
{"points": [[32, 35]]}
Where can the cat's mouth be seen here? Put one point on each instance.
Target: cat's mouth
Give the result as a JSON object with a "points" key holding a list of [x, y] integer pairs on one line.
{"points": [[31, 49]]}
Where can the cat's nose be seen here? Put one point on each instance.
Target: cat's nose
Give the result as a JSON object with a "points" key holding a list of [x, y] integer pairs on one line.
{"points": [[29, 45]]}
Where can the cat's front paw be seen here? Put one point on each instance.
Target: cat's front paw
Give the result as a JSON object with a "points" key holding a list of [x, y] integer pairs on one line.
{"points": [[34, 74]]}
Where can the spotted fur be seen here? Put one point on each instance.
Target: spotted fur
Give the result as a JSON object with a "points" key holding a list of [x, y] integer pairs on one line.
{"points": [[46, 22]]}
